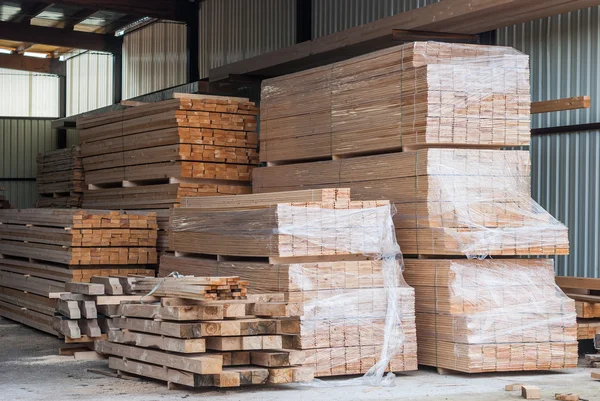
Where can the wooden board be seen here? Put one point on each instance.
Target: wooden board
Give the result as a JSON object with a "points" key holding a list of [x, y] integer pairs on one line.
{"points": [[571, 103]]}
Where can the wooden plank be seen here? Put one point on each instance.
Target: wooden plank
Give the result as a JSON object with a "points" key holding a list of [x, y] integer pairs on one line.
{"points": [[186, 346], [244, 343], [578, 282], [177, 313], [571, 103]]}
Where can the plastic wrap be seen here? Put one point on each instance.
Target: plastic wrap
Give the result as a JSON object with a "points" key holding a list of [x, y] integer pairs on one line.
{"points": [[449, 201], [358, 314], [408, 96], [492, 315]]}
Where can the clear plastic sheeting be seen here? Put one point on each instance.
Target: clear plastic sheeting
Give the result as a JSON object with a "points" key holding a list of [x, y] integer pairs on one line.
{"points": [[492, 315], [409, 96], [358, 313]]}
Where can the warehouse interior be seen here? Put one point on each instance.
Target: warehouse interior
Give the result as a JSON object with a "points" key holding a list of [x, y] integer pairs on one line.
{"points": [[356, 187]]}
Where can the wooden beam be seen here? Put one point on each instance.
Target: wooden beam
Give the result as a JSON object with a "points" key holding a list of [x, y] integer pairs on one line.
{"points": [[59, 37], [28, 12], [164, 9], [76, 18], [33, 64], [404, 35], [578, 282], [571, 103], [450, 16]]}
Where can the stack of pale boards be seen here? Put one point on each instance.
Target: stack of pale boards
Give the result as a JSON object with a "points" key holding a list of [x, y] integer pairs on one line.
{"points": [[60, 181], [320, 249], [42, 249], [192, 331]]}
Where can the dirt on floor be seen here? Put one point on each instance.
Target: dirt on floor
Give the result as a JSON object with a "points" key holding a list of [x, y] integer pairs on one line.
{"points": [[30, 369]]}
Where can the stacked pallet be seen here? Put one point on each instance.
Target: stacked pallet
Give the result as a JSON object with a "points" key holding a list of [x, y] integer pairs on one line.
{"points": [[586, 294], [414, 95], [43, 249], [492, 315], [150, 156], [319, 248], [428, 114], [200, 337], [4, 204], [60, 181]]}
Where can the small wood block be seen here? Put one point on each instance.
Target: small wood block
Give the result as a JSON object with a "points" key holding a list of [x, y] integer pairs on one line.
{"points": [[596, 375], [88, 356], [566, 397], [513, 387], [531, 392]]}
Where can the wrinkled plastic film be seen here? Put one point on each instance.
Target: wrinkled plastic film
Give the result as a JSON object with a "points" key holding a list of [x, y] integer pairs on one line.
{"points": [[413, 95], [358, 315]]}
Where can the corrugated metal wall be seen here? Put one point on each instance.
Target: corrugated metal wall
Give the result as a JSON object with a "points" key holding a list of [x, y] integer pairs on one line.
{"points": [[20, 142], [233, 30], [154, 58], [28, 94], [565, 57], [89, 82], [330, 16]]}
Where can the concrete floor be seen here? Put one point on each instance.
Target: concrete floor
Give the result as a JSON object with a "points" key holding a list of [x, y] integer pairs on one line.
{"points": [[30, 369]]}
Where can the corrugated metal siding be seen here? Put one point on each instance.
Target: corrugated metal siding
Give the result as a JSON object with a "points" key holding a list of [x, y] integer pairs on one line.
{"points": [[89, 82], [233, 30], [20, 142], [154, 58], [28, 94], [566, 167], [330, 16]]}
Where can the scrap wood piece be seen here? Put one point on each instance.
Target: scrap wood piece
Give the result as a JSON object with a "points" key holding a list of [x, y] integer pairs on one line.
{"points": [[570, 103], [567, 397], [513, 387], [531, 392], [88, 356]]}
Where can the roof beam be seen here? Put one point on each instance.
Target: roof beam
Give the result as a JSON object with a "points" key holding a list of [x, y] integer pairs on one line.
{"points": [[74, 19], [165, 9], [29, 11], [59, 37], [33, 64]]}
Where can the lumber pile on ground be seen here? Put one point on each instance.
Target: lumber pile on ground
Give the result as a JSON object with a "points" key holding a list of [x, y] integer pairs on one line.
{"points": [[197, 340], [492, 315], [586, 294], [422, 125], [317, 248], [448, 201], [409, 96], [42, 249], [150, 156], [60, 181], [4, 204]]}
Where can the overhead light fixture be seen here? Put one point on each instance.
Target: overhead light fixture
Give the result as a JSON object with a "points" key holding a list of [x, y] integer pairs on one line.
{"points": [[120, 32], [38, 55], [62, 57], [5, 51]]}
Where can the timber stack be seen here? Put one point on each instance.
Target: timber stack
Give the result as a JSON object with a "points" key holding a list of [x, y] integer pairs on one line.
{"points": [[332, 256], [422, 125], [60, 181], [151, 156], [201, 332], [43, 249]]}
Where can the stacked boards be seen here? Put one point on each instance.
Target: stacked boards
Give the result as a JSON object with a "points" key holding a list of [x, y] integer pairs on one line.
{"points": [[150, 156], [196, 339], [321, 250], [428, 140], [492, 315], [415, 95], [586, 294], [42, 249], [60, 181]]}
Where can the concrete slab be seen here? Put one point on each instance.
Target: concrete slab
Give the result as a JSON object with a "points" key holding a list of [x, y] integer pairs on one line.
{"points": [[31, 369]]}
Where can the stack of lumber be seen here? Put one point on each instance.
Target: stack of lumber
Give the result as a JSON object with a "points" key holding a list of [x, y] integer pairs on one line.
{"points": [[42, 249], [414, 95], [318, 248], [60, 180], [422, 125], [150, 156], [492, 315], [448, 201], [586, 294], [4, 204], [199, 341]]}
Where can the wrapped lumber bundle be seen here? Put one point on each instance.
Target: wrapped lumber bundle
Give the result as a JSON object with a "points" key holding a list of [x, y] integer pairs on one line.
{"points": [[419, 94], [42, 249], [150, 156], [448, 201], [60, 181], [333, 257], [192, 332], [492, 315]]}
